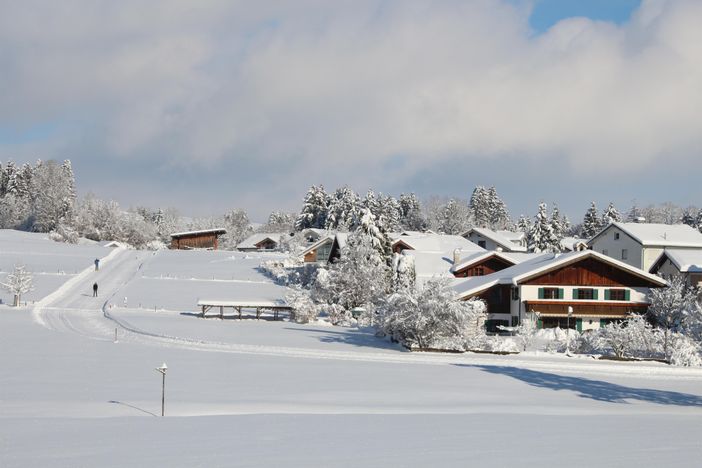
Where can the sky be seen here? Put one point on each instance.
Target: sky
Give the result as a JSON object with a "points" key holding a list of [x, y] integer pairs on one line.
{"points": [[212, 105]]}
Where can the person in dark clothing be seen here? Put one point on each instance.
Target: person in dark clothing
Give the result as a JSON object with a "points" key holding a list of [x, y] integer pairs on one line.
{"points": [[95, 290], [97, 264]]}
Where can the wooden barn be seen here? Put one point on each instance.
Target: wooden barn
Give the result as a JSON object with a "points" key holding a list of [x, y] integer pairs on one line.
{"points": [[204, 239]]}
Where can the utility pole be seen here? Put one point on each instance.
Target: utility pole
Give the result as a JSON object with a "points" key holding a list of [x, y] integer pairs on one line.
{"points": [[163, 370]]}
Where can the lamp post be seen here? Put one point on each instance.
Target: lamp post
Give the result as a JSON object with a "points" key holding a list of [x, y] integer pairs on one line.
{"points": [[570, 314], [163, 370]]}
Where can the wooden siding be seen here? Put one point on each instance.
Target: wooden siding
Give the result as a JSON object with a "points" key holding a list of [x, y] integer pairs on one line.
{"points": [[497, 299], [267, 244], [590, 272], [195, 241], [400, 246], [489, 266], [586, 308]]}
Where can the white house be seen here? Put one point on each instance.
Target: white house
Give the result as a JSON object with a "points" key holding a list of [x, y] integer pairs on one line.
{"points": [[680, 262], [506, 241], [598, 288], [640, 244]]}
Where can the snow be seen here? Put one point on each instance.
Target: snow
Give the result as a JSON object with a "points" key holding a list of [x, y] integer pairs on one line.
{"points": [[254, 239], [438, 243], [201, 231], [508, 240], [659, 235], [686, 260], [264, 393]]}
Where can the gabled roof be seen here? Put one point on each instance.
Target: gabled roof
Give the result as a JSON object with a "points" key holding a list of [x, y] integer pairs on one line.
{"points": [[428, 265], [316, 245], [542, 264], [478, 257], [253, 240], [658, 235], [438, 243], [685, 260], [505, 239], [201, 231]]}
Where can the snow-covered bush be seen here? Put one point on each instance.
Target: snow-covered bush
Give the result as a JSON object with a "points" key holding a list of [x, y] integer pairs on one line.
{"points": [[432, 317], [684, 351], [337, 314], [18, 282], [525, 332], [64, 233], [290, 271], [616, 337], [674, 309], [501, 344], [303, 307]]}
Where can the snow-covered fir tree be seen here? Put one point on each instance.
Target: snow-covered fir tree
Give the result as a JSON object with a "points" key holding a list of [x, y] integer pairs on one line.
{"points": [[238, 227], [591, 222], [610, 215], [404, 275], [379, 239], [18, 282], [279, 221], [411, 217], [634, 213], [343, 209], [698, 220], [524, 224], [480, 207], [52, 196], [559, 224], [453, 218], [497, 211], [541, 237], [315, 209], [388, 213]]}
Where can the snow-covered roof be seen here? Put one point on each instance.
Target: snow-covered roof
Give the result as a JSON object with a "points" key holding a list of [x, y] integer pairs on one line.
{"points": [[316, 245], [685, 260], [429, 265], [201, 231], [541, 264], [658, 235], [506, 239], [244, 304], [477, 257], [571, 243], [253, 240], [342, 238], [438, 243]]}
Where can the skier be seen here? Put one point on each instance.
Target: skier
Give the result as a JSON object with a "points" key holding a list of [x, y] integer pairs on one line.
{"points": [[95, 287], [97, 264]]}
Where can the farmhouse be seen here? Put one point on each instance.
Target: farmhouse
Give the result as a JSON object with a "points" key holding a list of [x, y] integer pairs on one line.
{"points": [[597, 288], [680, 262], [262, 241], [203, 239], [325, 249], [506, 241], [640, 245]]}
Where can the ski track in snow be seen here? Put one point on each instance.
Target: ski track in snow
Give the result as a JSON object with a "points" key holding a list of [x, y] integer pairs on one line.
{"points": [[70, 309]]}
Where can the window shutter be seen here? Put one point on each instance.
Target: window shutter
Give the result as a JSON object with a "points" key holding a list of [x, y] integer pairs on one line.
{"points": [[594, 294], [602, 323], [579, 325], [608, 296], [627, 295], [541, 293], [560, 293], [575, 293]]}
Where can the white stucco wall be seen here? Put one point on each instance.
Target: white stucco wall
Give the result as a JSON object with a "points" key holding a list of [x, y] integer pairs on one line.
{"points": [[607, 244]]}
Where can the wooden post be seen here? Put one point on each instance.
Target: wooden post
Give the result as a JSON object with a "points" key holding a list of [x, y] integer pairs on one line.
{"points": [[203, 312], [221, 312], [239, 312]]}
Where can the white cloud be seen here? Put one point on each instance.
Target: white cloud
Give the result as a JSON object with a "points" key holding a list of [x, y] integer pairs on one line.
{"points": [[342, 87]]}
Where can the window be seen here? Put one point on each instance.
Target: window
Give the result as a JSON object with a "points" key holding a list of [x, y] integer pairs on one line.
{"points": [[616, 295], [625, 254], [616, 236], [586, 294], [550, 293], [605, 252], [479, 271]]}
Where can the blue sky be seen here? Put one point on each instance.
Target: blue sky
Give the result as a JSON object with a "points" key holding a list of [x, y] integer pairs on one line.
{"points": [[546, 13], [208, 106]]}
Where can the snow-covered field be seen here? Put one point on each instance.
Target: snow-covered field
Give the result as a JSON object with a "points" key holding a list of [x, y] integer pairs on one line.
{"points": [[51, 263], [263, 393]]}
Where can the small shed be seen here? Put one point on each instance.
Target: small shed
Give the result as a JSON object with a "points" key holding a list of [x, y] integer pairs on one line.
{"points": [[203, 239]]}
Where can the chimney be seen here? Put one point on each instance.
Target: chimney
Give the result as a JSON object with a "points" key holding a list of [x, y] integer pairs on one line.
{"points": [[456, 256]]}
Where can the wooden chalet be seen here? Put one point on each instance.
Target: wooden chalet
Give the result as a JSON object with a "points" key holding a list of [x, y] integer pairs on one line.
{"points": [[203, 239], [482, 264], [598, 288]]}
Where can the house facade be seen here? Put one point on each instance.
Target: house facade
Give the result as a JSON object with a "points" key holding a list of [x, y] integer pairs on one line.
{"points": [[203, 239], [686, 263], [640, 245], [505, 241], [595, 288]]}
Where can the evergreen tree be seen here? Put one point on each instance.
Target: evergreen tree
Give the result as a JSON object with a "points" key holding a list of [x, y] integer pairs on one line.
{"points": [[690, 217], [480, 206], [388, 214], [343, 211], [541, 237], [378, 238], [411, 217], [524, 224], [559, 225], [314, 209], [611, 215], [634, 212], [591, 222], [453, 218], [497, 210], [698, 220]]}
